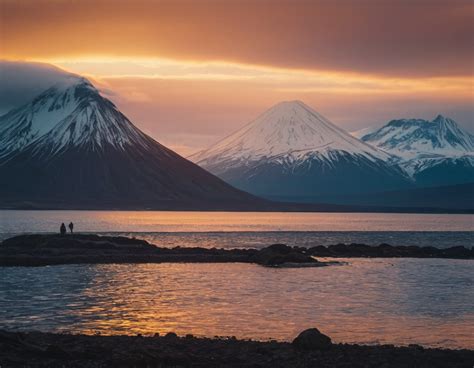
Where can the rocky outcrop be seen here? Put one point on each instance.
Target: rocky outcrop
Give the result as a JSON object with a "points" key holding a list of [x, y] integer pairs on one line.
{"points": [[41, 250], [312, 339], [281, 254], [52, 249], [35, 349]]}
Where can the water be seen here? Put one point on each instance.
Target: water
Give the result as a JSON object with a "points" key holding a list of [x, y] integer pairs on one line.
{"points": [[253, 229], [146, 221], [398, 301]]}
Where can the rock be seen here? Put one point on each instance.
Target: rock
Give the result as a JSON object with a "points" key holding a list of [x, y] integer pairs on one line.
{"points": [[171, 335], [280, 248], [312, 339], [56, 351], [416, 347], [278, 254]]}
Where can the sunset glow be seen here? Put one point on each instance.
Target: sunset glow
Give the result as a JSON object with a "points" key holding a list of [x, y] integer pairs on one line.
{"points": [[190, 73], [236, 183]]}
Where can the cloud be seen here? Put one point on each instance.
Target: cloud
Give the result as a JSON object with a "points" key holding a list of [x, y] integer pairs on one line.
{"points": [[20, 82], [379, 37], [192, 114], [188, 114]]}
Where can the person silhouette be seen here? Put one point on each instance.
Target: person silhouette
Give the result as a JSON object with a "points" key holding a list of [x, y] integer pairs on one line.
{"points": [[71, 226], [62, 229]]}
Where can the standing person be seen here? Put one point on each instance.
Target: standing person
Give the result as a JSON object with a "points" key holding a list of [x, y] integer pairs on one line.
{"points": [[71, 226], [62, 229]]}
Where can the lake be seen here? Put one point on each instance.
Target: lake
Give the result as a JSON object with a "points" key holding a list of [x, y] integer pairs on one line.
{"points": [[252, 229], [397, 301]]}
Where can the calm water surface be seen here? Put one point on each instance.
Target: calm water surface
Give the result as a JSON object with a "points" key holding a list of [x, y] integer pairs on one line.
{"points": [[399, 301], [252, 229], [153, 221]]}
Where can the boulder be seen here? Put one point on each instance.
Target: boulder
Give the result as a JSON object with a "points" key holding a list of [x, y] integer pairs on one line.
{"points": [[171, 335], [278, 254], [280, 248], [312, 339]]}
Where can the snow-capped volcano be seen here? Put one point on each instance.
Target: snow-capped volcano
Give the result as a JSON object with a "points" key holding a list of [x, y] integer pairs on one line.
{"points": [[289, 130], [70, 146], [72, 113], [291, 150], [434, 152]]}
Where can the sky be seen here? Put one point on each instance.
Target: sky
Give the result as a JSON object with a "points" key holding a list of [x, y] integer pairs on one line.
{"points": [[191, 72]]}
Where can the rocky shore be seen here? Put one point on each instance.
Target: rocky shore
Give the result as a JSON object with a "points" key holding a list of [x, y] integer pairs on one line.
{"points": [[42, 250], [309, 349]]}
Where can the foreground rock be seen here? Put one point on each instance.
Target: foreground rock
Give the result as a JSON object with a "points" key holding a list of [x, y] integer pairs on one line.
{"points": [[35, 349], [41, 250], [312, 339]]}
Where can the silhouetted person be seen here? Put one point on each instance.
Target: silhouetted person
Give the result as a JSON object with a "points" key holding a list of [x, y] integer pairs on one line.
{"points": [[63, 229], [71, 226]]}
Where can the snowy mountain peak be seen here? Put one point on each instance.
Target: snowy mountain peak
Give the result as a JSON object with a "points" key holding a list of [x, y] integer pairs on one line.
{"points": [[287, 106], [290, 131], [70, 113], [412, 138], [292, 151], [69, 88]]}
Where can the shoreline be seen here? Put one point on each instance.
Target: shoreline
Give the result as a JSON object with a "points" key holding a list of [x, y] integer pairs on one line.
{"points": [[309, 349], [52, 249]]}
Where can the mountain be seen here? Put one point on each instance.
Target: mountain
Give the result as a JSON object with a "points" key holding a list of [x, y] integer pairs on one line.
{"points": [[437, 152], [72, 148], [292, 152]]}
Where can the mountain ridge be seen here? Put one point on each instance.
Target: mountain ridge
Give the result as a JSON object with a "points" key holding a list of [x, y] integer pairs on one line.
{"points": [[437, 152], [410, 138]]}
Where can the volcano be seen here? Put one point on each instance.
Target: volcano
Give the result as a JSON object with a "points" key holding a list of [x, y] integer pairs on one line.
{"points": [[291, 152], [72, 148]]}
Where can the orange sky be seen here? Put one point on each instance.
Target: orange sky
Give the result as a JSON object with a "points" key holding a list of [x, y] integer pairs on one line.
{"points": [[188, 72]]}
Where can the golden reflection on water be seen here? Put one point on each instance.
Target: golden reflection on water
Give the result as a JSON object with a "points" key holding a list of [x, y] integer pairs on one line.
{"points": [[149, 221], [405, 301]]}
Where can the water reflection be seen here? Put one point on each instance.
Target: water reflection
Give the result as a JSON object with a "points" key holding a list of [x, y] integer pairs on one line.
{"points": [[159, 221], [367, 301]]}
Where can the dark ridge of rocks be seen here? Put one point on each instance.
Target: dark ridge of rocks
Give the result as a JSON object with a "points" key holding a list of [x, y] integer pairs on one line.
{"points": [[53, 249], [79, 241], [41, 250], [389, 251], [36, 349]]}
